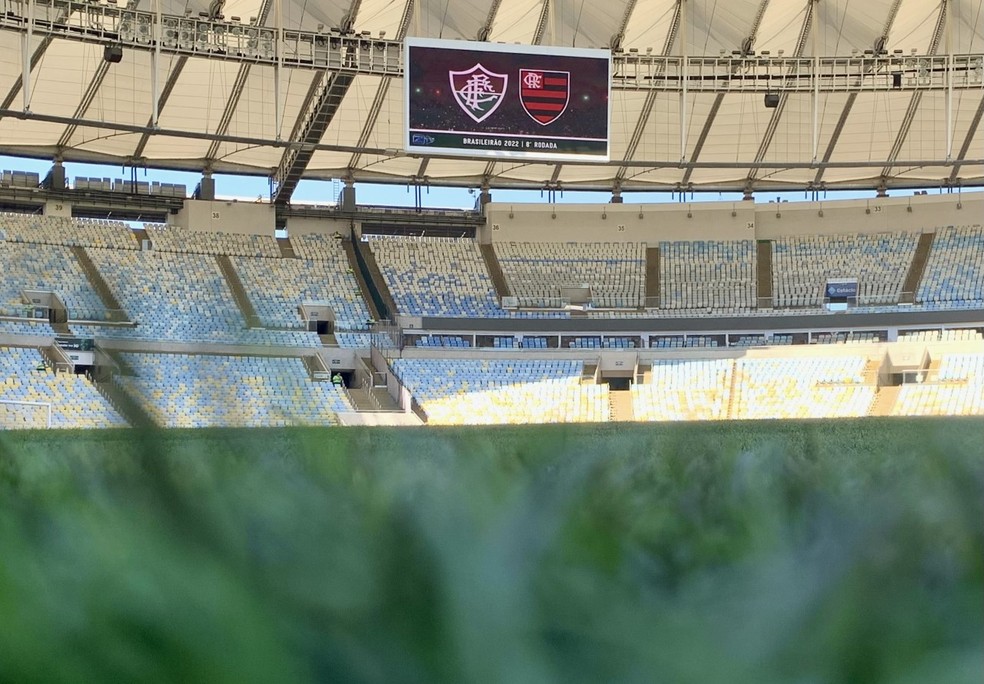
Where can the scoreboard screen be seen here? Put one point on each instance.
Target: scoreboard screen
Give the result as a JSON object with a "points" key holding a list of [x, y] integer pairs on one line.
{"points": [[509, 101]]}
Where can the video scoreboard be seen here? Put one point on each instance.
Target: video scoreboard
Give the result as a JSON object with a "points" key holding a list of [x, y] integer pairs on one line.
{"points": [[507, 101]]}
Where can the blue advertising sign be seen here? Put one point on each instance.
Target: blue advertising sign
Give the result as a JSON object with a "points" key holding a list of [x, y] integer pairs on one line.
{"points": [[841, 289]]}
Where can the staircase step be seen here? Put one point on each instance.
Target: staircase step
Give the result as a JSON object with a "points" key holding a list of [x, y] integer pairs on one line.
{"points": [[763, 275], [910, 287], [238, 291], [652, 277], [113, 306], [620, 405], [286, 248], [375, 283], [495, 270], [884, 401]]}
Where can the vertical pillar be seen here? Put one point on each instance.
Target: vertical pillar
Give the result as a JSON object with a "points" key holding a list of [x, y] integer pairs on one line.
{"points": [[155, 67], [56, 176], [206, 187], [278, 68], [685, 74], [26, 56], [348, 202]]}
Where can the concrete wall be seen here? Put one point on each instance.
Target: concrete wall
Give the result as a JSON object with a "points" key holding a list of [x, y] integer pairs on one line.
{"points": [[725, 220], [225, 216], [876, 215], [57, 208], [618, 222], [303, 225]]}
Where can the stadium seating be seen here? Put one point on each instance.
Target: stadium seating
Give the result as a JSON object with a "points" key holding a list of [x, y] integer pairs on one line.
{"points": [[487, 392], [186, 299], [801, 266], [801, 387], [277, 287], [536, 271], [169, 239], [46, 267], [180, 390], [75, 402], [684, 390], [958, 335], [26, 327], [707, 274], [57, 230], [958, 390], [453, 341], [955, 269], [436, 276]]}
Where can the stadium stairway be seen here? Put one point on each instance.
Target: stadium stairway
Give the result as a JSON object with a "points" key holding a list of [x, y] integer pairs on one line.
{"points": [[885, 401], [286, 248], [372, 285], [620, 405], [732, 394], [916, 269], [652, 277], [238, 291], [140, 234], [764, 275], [495, 270], [113, 307], [104, 378]]}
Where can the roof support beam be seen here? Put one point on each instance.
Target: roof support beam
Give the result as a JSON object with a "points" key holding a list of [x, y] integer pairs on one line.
{"points": [[746, 48], [616, 41], [309, 131], [916, 98], [35, 58], [971, 133], [486, 30], [237, 91], [88, 96], [347, 23], [214, 10], [383, 89], [650, 101], [852, 97], [541, 24], [172, 80], [483, 34], [773, 125]]}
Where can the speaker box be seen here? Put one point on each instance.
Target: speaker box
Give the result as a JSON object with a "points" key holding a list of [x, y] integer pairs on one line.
{"points": [[113, 54], [772, 100]]}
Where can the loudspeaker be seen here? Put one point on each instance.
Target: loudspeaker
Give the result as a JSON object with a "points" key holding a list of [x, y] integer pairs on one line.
{"points": [[897, 79], [772, 100], [113, 54]]}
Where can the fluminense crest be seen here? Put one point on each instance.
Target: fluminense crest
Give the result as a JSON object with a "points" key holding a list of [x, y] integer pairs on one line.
{"points": [[478, 91]]}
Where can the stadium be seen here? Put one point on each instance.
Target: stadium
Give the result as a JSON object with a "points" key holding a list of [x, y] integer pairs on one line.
{"points": [[398, 463]]}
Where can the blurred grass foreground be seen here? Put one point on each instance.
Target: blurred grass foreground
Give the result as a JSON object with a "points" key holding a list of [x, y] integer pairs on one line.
{"points": [[845, 551]]}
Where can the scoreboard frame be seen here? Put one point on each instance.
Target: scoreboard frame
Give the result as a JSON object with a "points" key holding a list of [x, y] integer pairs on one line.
{"points": [[491, 100]]}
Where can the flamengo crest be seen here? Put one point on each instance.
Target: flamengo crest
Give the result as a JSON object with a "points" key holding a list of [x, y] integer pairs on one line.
{"points": [[544, 94], [478, 91]]}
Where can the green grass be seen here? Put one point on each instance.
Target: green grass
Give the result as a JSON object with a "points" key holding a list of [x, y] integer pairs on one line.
{"points": [[832, 551]]}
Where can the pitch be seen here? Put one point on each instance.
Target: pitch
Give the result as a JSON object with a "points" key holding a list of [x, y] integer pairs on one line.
{"points": [[832, 551]]}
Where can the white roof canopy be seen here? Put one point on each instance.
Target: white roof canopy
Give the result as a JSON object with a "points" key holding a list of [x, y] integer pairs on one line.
{"points": [[678, 118]]}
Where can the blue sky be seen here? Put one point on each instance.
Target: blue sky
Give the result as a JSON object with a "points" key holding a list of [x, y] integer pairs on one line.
{"points": [[251, 187]]}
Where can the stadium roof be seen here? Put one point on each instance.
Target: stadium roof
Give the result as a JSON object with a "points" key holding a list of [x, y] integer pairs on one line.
{"points": [[686, 104]]}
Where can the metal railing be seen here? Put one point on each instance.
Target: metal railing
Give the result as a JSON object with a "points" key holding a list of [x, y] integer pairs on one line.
{"points": [[221, 38]]}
